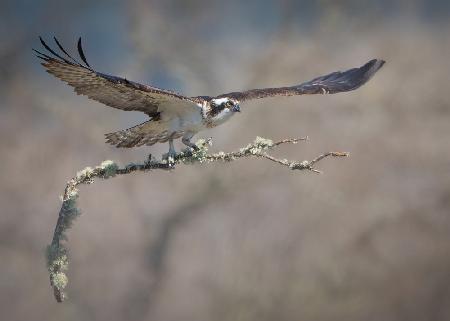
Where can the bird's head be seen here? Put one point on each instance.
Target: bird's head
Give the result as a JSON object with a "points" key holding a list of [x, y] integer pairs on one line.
{"points": [[221, 109]]}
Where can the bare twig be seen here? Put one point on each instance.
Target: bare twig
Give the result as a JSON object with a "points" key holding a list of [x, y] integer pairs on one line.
{"points": [[57, 258]]}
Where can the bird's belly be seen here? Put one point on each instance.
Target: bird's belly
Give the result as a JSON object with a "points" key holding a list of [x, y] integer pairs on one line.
{"points": [[189, 122]]}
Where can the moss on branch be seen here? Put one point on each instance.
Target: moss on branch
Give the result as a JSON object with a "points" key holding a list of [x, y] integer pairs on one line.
{"points": [[57, 256]]}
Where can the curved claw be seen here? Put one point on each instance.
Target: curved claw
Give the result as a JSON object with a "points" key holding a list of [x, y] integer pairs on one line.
{"points": [[187, 141]]}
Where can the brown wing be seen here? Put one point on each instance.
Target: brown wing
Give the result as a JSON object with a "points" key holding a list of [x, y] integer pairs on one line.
{"points": [[110, 90], [329, 84]]}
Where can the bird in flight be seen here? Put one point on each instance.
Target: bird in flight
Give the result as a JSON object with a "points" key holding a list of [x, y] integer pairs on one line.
{"points": [[173, 115]]}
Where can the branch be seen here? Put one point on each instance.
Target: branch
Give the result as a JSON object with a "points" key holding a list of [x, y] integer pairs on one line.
{"points": [[57, 258]]}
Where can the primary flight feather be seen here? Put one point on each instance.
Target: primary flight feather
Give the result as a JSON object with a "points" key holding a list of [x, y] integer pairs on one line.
{"points": [[172, 115]]}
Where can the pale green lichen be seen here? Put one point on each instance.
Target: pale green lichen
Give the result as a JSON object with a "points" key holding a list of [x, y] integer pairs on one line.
{"points": [[220, 155], [199, 155], [58, 264], [57, 259], [60, 280], [203, 142], [263, 142], [73, 194], [69, 210], [109, 168], [85, 174], [260, 144]]}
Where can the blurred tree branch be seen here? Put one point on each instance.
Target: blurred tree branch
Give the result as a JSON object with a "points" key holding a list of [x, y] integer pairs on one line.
{"points": [[57, 258]]}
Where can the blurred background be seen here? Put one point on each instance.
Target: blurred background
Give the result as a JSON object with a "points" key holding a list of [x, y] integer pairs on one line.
{"points": [[367, 240]]}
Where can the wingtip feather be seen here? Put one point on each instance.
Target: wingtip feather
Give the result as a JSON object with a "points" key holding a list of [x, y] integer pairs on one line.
{"points": [[81, 53], [64, 51], [44, 44], [41, 55], [375, 64]]}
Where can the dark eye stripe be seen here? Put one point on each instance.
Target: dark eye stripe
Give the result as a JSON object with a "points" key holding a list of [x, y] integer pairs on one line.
{"points": [[216, 109]]}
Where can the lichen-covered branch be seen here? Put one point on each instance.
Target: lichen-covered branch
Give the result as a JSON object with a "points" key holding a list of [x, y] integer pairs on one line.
{"points": [[57, 257]]}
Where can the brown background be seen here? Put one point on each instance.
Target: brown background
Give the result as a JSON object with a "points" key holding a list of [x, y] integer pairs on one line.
{"points": [[367, 240]]}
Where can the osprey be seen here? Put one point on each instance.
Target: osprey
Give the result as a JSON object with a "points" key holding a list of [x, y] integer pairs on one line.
{"points": [[172, 115]]}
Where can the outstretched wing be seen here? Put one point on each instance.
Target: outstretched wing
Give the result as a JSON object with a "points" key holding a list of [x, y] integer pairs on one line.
{"points": [[329, 84], [110, 90]]}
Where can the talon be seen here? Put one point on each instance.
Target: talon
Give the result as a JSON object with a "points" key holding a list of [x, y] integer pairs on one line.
{"points": [[187, 141]]}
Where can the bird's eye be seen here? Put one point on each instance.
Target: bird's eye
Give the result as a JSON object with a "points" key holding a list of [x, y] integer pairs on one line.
{"points": [[229, 104]]}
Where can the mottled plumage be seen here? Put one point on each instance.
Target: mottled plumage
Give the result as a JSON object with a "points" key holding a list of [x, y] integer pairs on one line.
{"points": [[173, 115]]}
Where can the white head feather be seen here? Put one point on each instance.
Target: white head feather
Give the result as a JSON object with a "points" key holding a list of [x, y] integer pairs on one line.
{"points": [[220, 101], [225, 113]]}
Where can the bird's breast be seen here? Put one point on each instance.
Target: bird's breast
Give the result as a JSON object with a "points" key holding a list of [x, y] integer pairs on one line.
{"points": [[187, 121], [218, 119]]}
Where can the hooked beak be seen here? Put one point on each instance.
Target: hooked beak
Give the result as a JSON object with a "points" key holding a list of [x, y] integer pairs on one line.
{"points": [[237, 108]]}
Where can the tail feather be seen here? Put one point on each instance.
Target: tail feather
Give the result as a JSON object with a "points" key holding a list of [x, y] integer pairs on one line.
{"points": [[148, 133], [124, 138], [131, 137]]}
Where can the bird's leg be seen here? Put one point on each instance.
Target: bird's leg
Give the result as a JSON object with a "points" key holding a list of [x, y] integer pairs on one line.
{"points": [[187, 141], [172, 153]]}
